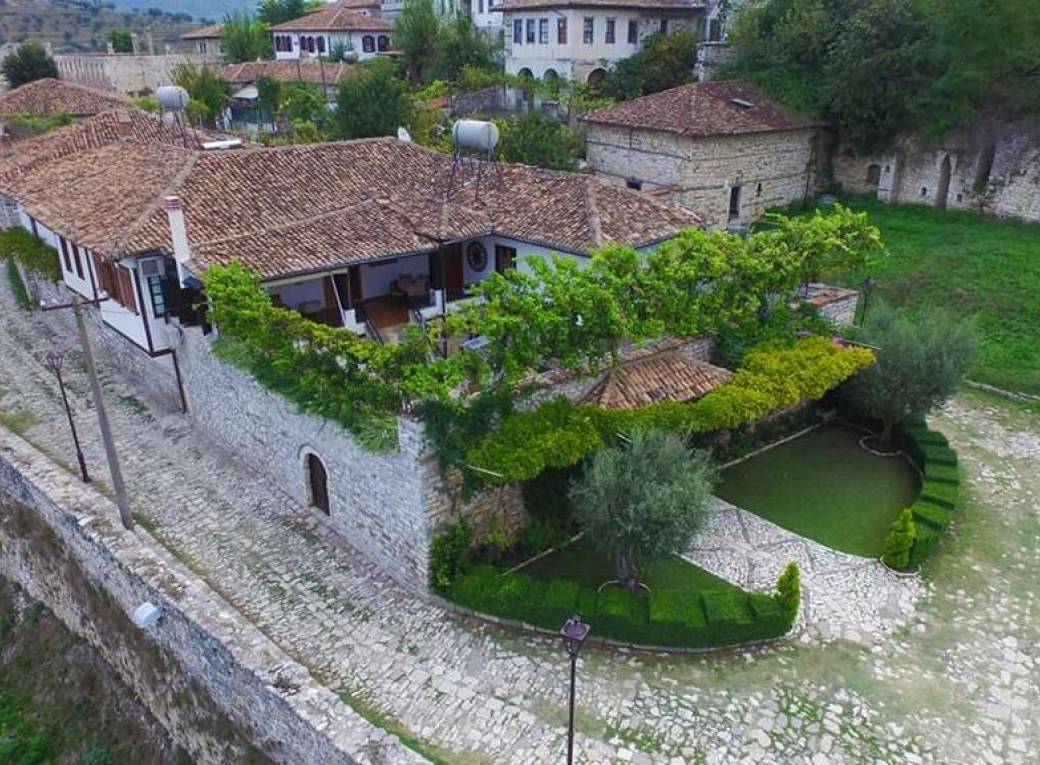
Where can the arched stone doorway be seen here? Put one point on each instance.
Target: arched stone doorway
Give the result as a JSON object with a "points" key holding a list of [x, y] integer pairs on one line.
{"points": [[942, 194], [596, 77], [318, 483]]}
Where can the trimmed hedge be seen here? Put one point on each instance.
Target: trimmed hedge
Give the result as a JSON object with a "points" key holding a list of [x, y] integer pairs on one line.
{"points": [[933, 512], [667, 618]]}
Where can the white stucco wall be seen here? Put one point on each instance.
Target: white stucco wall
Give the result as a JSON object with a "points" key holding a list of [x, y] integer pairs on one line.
{"points": [[352, 40]]}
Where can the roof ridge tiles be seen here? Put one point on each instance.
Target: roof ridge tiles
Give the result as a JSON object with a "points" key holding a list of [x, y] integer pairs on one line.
{"points": [[156, 204]]}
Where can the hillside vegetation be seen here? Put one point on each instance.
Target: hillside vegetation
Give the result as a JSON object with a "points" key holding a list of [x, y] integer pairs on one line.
{"points": [[70, 28]]}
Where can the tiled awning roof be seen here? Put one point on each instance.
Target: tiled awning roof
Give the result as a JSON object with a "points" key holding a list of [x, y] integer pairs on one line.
{"points": [[668, 376]]}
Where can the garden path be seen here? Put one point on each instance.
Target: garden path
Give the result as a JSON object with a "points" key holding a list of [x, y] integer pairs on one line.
{"points": [[961, 684], [843, 595]]}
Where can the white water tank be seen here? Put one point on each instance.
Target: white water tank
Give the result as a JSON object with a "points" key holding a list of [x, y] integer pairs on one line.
{"points": [[173, 98], [475, 134]]}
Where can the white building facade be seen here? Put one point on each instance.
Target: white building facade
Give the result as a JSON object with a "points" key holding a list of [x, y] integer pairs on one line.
{"points": [[357, 28], [545, 39]]}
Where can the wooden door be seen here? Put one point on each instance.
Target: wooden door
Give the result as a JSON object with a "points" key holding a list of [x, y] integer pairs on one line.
{"points": [[319, 481], [454, 276]]}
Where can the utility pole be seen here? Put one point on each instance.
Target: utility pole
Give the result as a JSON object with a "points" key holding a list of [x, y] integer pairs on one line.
{"points": [[99, 403]]}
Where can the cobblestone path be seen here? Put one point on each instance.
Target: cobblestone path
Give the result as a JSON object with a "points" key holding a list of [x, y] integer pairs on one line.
{"points": [[843, 595], [959, 684]]}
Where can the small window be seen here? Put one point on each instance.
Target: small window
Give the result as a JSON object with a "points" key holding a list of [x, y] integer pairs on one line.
{"points": [[924, 191], [368, 44], [76, 261], [561, 31], [633, 32], [543, 31], [588, 30], [758, 190], [505, 258], [155, 289], [609, 38], [518, 32], [873, 174], [383, 43], [530, 32], [635, 185], [664, 26], [321, 45], [318, 483], [65, 255], [734, 202], [480, 6]]}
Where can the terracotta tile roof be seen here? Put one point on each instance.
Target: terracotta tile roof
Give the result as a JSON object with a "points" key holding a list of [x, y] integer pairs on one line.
{"points": [[654, 5], [302, 70], [48, 96], [322, 195], [337, 17], [213, 31], [700, 109], [94, 132], [669, 376]]}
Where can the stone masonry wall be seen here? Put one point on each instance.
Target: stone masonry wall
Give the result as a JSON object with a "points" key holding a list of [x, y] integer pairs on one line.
{"points": [[223, 690], [773, 169]]}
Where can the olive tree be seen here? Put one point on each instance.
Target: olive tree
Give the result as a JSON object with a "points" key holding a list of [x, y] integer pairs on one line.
{"points": [[920, 364], [643, 499]]}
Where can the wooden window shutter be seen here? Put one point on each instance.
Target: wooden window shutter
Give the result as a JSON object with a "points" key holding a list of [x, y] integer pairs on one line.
{"points": [[126, 289]]}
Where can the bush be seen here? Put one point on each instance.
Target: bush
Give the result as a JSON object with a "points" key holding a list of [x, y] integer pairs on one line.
{"points": [[940, 493], [451, 556], [18, 288], [924, 544], [942, 473], [900, 541], [789, 590], [17, 244]]}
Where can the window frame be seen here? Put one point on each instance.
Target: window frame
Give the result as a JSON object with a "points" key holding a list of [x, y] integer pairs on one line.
{"points": [[610, 34], [518, 31], [561, 30], [588, 30], [543, 31], [531, 31], [633, 32]]}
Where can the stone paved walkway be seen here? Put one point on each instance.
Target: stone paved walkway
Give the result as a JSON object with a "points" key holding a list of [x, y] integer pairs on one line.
{"points": [[843, 595], [958, 685]]}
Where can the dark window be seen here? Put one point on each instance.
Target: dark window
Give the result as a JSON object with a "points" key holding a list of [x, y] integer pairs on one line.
{"points": [[637, 185], [561, 31], [588, 30], [874, 174], [505, 258], [321, 45], [383, 43], [985, 167], [75, 260], [33, 226], [480, 6], [543, 31], [633, 32], [65, 255], [319, 484], [530, 32], [368, 44], [610, 31], [518, 32], [734, 202], [664, 26]]}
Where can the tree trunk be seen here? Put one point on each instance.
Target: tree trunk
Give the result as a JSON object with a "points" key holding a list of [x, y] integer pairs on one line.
{"points": [[627, 574], [886, 432]]}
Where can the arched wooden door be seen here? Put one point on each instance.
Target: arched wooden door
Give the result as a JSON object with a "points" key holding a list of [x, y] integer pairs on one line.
{"points": [[319, 484], [943, 193]]}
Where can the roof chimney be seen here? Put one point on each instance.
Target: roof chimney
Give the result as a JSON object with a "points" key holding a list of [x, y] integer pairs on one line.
{"points": [[178, 229]]}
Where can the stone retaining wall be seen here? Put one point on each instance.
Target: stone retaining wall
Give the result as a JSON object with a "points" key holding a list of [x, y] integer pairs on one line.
{"points": [[221, 688]]}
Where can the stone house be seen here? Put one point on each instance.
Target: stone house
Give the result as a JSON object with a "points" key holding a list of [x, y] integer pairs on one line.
{"points": [[206, 41], [717, 147], [993, 168], [578, 40], [382, 234]]}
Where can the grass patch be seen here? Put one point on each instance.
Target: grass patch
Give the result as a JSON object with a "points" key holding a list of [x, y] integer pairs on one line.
{"points": [[584, 563], [380, 720], [18, 288], [18, 420], [970, 264], [825, 487]]}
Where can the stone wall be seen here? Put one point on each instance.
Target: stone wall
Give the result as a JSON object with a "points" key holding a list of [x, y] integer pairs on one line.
{"points": [[223, 690], [995, 169], [772, 169], [126, 72]]}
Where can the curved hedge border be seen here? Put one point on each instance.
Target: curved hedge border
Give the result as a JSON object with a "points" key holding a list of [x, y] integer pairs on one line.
{"points": [[665, 619], [940, 490]]}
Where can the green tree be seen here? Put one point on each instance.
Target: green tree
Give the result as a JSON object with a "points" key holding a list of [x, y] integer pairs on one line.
{"points": [[210, 94], [29, 62], [461, 46], [534, 139], [789, 589], [899, 542], [417, 35], [643, 500], [268, 97], [664, 61], [122, 40], [372, 103], [245, 38], [920, 364], [273, 12], [302, 102]]}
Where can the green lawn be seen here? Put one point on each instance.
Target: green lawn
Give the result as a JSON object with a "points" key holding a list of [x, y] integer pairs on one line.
{"points": [[825, 487], [584, 563], [972, 265]]}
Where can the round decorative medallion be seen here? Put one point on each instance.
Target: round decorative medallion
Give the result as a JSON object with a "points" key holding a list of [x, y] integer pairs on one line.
{"points": [[476, 255]]}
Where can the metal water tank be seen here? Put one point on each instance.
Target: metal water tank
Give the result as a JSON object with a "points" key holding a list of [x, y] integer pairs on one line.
{"points": [[173, 98], [475, 134]]}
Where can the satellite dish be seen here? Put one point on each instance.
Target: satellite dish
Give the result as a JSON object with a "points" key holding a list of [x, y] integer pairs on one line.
{"points": [[173, 98], [402, 135]]}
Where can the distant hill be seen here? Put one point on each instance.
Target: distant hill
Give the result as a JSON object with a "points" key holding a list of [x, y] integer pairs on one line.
{"points": [[201, 9], [82, 26]]}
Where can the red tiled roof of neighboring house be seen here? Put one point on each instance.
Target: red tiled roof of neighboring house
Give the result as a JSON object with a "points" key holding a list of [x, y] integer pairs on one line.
{"points": [[42, 98], [700, 109], [92, 133], [337, 17], [253, 204], [212, 32], [653, 5], [669, 376], [300, 70]]}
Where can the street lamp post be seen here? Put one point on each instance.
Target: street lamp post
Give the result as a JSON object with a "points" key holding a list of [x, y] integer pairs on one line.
{"points": [[54, 362], [868, 287], [574, 633]]}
